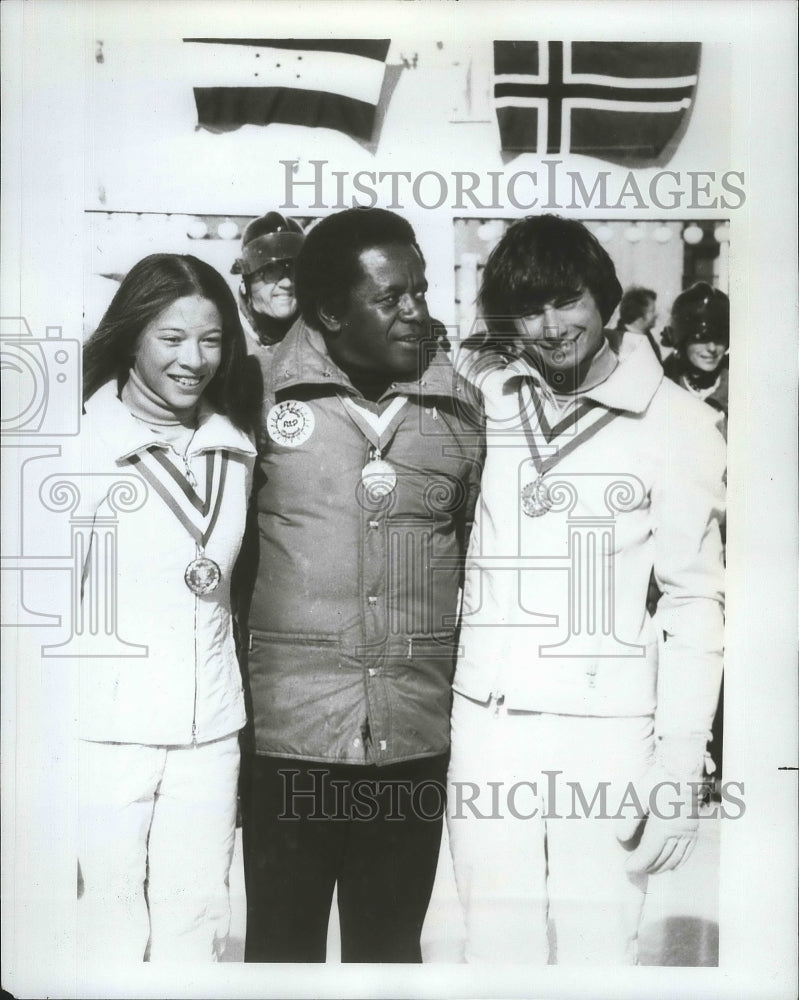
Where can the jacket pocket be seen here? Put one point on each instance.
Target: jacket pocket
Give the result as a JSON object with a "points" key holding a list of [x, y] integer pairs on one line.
{"points": [[418, 692], [302, 702], [293, 638], [422, 646]]}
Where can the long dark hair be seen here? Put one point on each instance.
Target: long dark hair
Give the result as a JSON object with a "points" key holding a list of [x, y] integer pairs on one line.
{"points": [[149, 287]]}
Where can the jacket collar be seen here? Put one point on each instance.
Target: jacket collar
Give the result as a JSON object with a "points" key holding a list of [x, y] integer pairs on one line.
{"points": [[630, 386], [301, 358], [125, 435]]}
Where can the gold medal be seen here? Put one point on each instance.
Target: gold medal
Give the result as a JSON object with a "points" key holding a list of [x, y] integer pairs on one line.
{"points": [[535, 498], [202, 575], [198, 514], [564, 437], [379, 478]]}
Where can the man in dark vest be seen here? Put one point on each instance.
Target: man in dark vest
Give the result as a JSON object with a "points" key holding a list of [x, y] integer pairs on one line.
{"points": [[369, 463]]}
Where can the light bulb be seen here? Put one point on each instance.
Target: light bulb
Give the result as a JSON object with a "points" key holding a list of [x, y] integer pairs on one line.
{"points": [[197, 229], [227, 230], [692, 234]]}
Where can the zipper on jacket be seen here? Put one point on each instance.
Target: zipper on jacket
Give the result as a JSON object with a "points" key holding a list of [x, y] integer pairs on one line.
{"points": [[410, 647], [194, 707], [499, 702]]}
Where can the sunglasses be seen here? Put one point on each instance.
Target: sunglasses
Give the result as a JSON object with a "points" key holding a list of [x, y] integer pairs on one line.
{"points": [[275, 270]]}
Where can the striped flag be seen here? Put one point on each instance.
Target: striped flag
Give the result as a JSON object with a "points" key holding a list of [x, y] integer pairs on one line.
{"points": [[327, 83], [613, 100]]}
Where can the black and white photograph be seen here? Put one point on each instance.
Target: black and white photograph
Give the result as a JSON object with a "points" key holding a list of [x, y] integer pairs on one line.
{"points": [[399, 562]]}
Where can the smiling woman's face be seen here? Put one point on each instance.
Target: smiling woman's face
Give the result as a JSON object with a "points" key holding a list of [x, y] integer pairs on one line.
{"points": [[705, 355], [179, 352]]}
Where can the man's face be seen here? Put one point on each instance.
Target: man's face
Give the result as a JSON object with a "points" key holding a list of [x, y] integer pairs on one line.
{"points": [[272, 290], [560, 335], [647, 321], [385, 320]]}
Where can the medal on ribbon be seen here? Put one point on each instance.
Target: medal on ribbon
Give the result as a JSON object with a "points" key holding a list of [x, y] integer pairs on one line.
{"points": [[202, 575], [197, 514], [535, 498], [583, 422], [379, 477]]}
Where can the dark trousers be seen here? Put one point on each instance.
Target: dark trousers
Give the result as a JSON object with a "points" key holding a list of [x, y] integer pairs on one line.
{"points": [[374, 832]]}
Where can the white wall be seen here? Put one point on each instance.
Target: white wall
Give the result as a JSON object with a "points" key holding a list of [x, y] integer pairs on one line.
{"points": [[146, 156]]}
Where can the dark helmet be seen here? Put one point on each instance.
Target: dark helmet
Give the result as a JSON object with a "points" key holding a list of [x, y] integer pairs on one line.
{"points": [[700, 313], [270, 237]]}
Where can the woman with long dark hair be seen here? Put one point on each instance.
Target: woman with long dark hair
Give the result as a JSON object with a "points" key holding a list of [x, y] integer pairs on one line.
{"points": [[165, 414]]}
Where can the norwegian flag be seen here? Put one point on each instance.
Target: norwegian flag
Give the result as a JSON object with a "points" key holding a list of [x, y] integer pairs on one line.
{"points": [[613, 100]]}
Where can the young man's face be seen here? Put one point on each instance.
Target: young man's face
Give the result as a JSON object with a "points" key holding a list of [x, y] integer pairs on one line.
{"points": [[561, 335], [385, 320]]}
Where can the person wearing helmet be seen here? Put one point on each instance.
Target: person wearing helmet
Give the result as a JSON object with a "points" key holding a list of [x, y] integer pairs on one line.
{"points": [[699, 332], [700, 335], [267, 302]]}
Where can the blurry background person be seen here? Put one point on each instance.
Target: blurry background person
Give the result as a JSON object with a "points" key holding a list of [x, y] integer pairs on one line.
{"points": [[637, 313], [700, 334], [158, 752], [269, 246]]}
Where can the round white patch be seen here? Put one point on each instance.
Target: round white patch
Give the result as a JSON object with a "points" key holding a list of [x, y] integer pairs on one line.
{"points": [[290, 423]]}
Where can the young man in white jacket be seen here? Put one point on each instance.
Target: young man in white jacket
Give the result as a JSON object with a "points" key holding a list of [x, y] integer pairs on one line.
{"points": [[579, 722]]}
